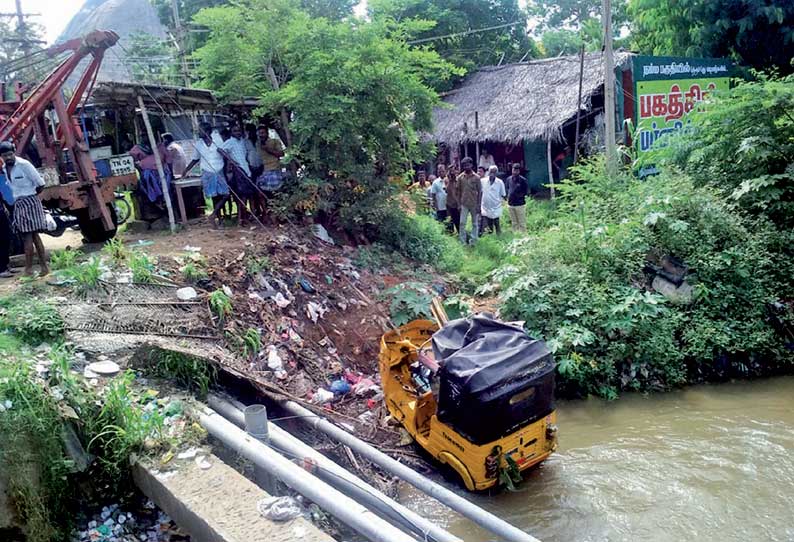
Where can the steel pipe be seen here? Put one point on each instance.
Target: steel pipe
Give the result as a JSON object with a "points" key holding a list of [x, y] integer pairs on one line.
{"points": [[342, 507], [481, 517], [339, 477]]}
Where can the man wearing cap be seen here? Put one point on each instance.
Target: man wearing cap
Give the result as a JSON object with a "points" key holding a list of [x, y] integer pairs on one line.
{"points": [[28, 217]]}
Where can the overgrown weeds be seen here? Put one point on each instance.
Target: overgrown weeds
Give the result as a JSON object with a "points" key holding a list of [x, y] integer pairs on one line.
{"points": [[409, 301], [31, 454], [220, 305], [32, 320], [143, 267], [64, 259], [118, 253], [121, 428], [190, 372], [256, 264], [84, 276]]}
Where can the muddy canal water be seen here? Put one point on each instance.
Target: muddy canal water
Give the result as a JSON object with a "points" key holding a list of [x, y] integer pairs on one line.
{"points": [[709, 463]]}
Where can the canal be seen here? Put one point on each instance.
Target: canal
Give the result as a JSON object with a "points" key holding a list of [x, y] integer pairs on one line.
{"points": [[708, 463]]}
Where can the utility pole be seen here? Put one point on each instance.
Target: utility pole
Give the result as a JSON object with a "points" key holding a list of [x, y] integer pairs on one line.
{"points": [[21, 26], [609, 86], [180, 42]]}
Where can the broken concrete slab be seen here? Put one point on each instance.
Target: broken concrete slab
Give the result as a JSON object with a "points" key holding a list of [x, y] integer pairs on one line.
{"points": [[218, 504]]}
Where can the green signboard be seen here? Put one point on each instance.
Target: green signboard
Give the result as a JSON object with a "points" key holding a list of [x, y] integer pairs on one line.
{"points": [[668, 89]]}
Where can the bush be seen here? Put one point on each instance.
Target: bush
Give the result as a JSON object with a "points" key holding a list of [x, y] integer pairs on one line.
{"points": [[418, 237], [584, 285], [32, 320]]}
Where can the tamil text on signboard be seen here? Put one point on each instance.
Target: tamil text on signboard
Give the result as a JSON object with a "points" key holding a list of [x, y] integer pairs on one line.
{"points": [[668, 90]]}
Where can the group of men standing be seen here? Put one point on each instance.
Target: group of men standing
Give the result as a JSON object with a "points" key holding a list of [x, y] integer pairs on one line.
{"points": [[478, 195], [233, 165]]}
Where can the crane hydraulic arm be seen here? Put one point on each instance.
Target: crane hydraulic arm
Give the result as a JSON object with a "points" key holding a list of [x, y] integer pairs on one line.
{"points": [[28, 118]]}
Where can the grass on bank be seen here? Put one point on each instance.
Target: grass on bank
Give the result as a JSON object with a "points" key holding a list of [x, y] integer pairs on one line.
{"points": [[37, 410]]}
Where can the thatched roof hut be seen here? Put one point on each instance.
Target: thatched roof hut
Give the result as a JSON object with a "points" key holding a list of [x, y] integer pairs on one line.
{"points": [[516, 102]]}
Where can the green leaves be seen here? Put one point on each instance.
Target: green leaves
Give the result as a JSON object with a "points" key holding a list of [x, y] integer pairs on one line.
{"points": [[409, 301]]}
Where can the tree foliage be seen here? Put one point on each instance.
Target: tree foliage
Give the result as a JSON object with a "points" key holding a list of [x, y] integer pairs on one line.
{"points": [[356, 93], [744, 145], [757, 33], [448, 17], [565, 25]]}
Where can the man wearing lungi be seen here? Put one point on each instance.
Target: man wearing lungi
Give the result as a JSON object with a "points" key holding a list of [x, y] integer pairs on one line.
{"points": [[28, 216]]}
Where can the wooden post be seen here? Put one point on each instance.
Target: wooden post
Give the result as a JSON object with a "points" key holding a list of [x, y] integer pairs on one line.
{"points": [[609, 87], [159, 163], [551, 172], [477, 143], [578, 107]]}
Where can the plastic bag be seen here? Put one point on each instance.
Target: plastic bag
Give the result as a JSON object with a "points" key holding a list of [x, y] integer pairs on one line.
{"points": [[279, 508]]}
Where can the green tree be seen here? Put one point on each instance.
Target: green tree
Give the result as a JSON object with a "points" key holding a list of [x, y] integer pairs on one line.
{"points": [[756, 33], [356, 93], [334, 10], [454, 18], [565, 25]]}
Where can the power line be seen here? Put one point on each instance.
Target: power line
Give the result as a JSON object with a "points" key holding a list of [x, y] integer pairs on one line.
{"points": [[466, 33]]}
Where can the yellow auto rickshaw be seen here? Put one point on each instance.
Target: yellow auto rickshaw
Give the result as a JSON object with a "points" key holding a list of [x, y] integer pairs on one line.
{"points": [[477, 394]]}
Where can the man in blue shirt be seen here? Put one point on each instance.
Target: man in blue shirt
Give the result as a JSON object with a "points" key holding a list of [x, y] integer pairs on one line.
{"points": [[7, 197]]}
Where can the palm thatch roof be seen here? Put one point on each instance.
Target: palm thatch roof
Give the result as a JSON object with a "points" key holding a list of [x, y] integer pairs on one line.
{"points": [[528, 100]]}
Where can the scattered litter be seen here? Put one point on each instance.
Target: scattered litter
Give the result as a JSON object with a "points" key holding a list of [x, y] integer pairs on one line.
{"points": [[103, 368], [279, 508], [364, 387], [366, 417], [295, 338], [315, 311], [202, 462], [322, 396], [188, 248], [144, 243], [174, 408], [188, 454], [322, 234], [143, 524], [281, 301], [227, 290], [306, 286], [405, 437], [186, 294], [340, 387], [274, 361], [5, 405]]}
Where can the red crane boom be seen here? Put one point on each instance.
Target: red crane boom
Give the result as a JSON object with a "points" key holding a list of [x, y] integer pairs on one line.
{"points": [[28, 116]]}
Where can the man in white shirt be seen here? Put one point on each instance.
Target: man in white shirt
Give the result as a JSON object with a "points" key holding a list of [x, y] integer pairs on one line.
{"points": [[28, 217], [213, 180], [486, 160], [493, 192], [438, 196]]}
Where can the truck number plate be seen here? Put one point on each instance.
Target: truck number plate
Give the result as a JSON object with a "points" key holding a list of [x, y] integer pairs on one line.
{"points": [[122, 164]]}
